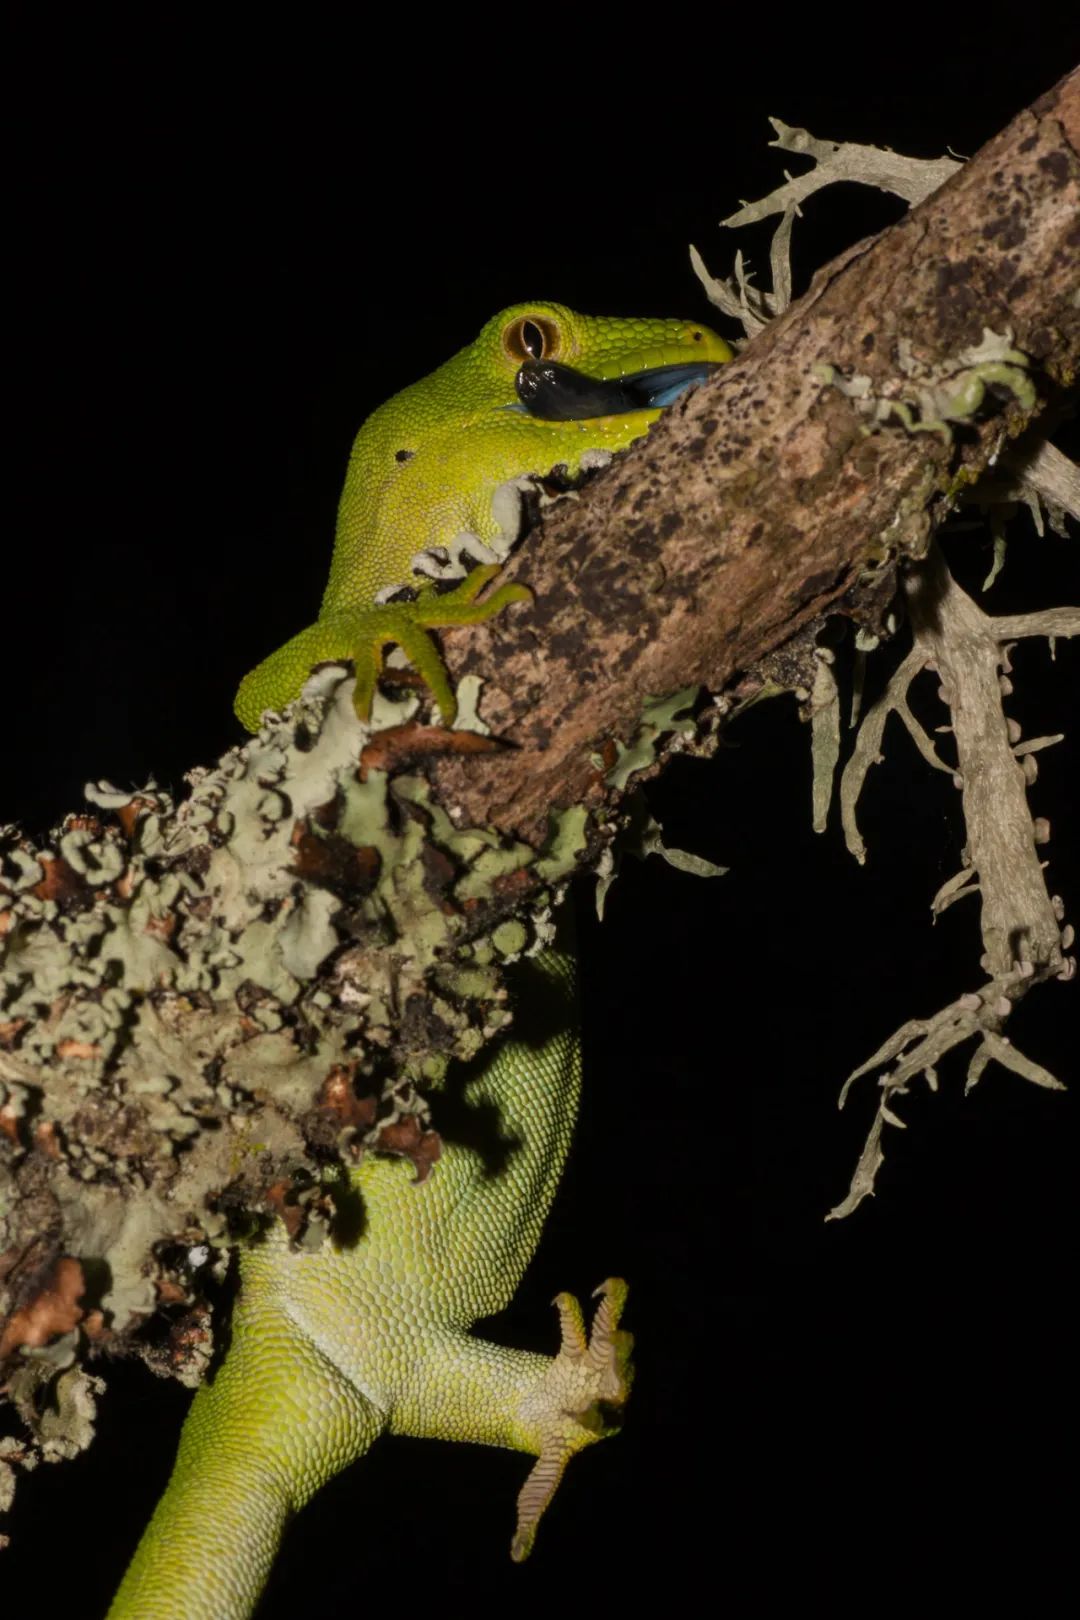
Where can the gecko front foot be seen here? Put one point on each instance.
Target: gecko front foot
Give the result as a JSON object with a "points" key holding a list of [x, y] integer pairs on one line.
{"points": [[409, 626], [363, 633], [573, 1405]]}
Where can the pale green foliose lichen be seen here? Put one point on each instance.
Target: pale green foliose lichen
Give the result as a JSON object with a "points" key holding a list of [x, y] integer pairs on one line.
{"points": [[659, 717], [183, 986], [929, 399]]}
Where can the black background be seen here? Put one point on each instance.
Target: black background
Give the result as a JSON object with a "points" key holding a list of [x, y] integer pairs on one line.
{"points": [[222, 262]]}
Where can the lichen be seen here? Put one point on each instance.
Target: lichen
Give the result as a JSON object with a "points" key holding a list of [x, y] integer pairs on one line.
{"points": [[208, 1008]]}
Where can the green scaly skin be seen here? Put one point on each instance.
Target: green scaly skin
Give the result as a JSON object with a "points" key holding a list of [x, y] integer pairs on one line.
{"points": [[331, 1349]]}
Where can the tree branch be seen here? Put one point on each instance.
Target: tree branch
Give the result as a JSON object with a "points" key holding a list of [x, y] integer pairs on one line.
{"points": [[769, 494]]}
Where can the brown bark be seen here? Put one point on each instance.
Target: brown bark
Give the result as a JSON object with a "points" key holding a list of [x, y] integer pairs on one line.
{"points": [[758, 502]]}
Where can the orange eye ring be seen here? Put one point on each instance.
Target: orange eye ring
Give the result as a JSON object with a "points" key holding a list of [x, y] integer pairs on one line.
{"points": [[532, 337]]}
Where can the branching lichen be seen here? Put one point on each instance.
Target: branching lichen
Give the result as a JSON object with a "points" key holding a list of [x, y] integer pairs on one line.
{"points": [[1024, 942], [912, 179], [939, 395]]}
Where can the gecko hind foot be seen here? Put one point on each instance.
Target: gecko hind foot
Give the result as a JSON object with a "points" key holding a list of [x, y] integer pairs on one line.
{"points": [[578, 1400]]}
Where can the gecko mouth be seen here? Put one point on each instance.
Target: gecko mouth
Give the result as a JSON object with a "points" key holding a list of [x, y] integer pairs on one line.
{"points": [[556, 393]]}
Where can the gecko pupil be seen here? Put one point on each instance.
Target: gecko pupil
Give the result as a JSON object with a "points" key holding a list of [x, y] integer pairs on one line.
{"points": [[532, 339]]}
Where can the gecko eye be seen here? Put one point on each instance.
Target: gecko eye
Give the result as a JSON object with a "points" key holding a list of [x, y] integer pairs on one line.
{"points": [[531, 338]]}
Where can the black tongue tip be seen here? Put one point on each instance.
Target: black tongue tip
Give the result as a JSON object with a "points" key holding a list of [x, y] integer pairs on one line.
{"points": [[558, 393]]}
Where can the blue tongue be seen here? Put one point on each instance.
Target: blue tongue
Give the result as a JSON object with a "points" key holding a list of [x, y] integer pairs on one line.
{"points": [[665, 383], [557, 393]]}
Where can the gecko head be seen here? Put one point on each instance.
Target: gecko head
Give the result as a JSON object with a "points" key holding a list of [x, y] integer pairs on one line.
{"points": [[556, 365]]}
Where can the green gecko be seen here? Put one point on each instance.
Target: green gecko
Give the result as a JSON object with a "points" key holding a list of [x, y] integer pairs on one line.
{"points": [[540, 387], [370, 1333]]}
